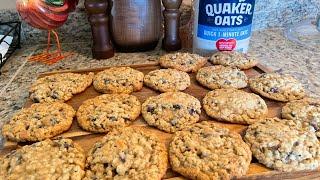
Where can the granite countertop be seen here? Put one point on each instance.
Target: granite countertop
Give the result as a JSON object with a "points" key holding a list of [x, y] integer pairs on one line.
{"points": [[270, 46]]}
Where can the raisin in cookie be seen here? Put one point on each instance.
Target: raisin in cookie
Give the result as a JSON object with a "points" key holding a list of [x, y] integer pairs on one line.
{"points": [[234, 59], [171, 111], [306, 111], [234, 106], [129, 153], [280, 87], [186, 62], [167, 80], [108, 111], [39, 122], [118, 80], [59, 87], [206, 151], [49, 159], [283, 145], [216, 77]]}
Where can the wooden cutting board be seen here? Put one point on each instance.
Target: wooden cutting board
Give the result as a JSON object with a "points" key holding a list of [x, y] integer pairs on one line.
{"points": [[87, 139]]}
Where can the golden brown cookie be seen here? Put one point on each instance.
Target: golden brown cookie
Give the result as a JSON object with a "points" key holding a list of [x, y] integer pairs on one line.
{"points": [[235, 106], [127, 153], [118, 80], [306, 111], [171, 111], [216, 77], [49, 159], [39, 122], [280, 87], [108, 111], [186, 62], [167, 80], [283, 145], [207, 151], [59, 87], [234, 59]]}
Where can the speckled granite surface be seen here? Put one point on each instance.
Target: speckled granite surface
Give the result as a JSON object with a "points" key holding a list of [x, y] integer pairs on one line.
{"points": [[270, 46], [268, 13]]}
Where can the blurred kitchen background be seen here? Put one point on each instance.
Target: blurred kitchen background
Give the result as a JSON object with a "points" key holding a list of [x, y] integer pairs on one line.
{"points": [[268, 14]]}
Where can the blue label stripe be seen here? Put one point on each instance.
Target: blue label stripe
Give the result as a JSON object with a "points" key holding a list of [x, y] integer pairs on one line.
{"points": [[215, 33], [219, 12]]}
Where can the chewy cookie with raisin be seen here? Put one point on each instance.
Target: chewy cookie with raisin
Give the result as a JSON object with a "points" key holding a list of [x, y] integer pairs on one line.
{"points": [[49, 159], [216, 77], [118, 80], [59, 87], [235, 106], [283, 145], [108, 111], [128, 153], [39, 122], [167, 80], [207, 151], [276, 86], [234, 59], [186, 62], [307, 111], [171, 111]]}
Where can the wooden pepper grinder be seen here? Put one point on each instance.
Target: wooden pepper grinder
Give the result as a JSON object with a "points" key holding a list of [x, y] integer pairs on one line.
{"points": [[97, 11], [171, 41]]}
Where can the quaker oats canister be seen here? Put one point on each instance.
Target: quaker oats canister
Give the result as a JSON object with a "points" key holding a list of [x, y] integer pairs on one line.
{"points": [[222, 25]]}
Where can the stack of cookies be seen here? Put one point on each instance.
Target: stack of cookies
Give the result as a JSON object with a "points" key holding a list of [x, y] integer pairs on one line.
{"points": [[197, 150]]}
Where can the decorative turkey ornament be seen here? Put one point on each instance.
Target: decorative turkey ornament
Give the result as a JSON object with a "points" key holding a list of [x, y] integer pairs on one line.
{"points": [[47, 15]]}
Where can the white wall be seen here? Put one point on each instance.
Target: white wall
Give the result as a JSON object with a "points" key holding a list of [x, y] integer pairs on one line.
{"points": [[7, 4]]}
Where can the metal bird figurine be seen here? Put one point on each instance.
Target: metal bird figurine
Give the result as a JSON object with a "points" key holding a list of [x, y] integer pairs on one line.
{"points": [[47, 15]]}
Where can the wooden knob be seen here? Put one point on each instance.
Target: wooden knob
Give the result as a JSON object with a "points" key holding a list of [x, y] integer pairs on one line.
{"points": [[171, 41], [97, 11], [96, 6], [172, 4]]}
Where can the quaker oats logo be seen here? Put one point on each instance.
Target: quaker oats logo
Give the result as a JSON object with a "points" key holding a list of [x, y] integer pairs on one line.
{"points": [[229, 13]]}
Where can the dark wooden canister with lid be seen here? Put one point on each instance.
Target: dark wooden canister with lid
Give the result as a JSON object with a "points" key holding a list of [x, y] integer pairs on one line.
{"points": [[135, 25], [132, 25]]}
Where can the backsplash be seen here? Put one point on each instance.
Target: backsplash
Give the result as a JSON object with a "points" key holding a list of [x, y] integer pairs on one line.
{"points": [[268, 13]]}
